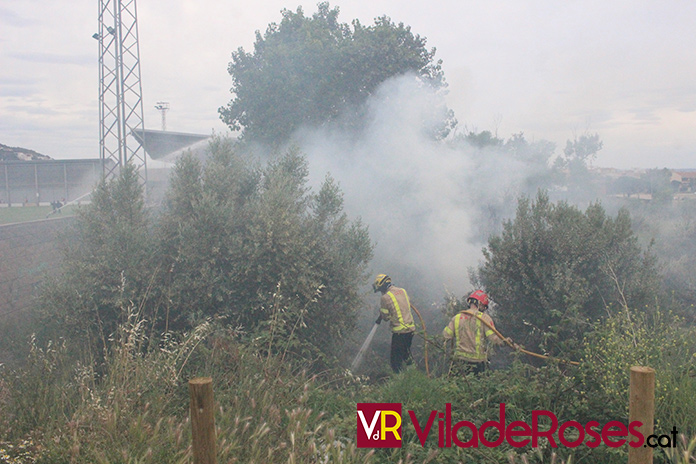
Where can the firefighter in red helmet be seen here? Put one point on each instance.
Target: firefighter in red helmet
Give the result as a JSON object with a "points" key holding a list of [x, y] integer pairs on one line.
{"points": [[471, 336]]}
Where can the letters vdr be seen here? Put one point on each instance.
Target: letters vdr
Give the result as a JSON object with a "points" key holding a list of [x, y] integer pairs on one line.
{"points": [[379, 425]]}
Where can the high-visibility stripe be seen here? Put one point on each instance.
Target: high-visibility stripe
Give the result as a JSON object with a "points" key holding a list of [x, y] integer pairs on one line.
{"points": [[489, 333], [477, 341], [399, 315], [456, 331]]}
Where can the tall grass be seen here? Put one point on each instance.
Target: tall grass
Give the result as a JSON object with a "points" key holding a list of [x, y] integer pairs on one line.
{"points": [[135, 407]]}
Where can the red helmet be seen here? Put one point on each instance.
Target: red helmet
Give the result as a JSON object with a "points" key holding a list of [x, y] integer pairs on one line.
{"points": [[479, 296]]}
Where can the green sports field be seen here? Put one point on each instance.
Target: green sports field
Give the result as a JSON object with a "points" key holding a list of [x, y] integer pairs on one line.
{"points": [[32, 213]]}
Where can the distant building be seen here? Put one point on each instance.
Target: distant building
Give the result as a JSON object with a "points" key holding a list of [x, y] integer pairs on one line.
{"points": [[30, 178], [45, 181], [684, 181]]}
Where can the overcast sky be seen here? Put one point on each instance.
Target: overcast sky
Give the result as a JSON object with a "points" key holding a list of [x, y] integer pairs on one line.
{"points": [[551, 69]]}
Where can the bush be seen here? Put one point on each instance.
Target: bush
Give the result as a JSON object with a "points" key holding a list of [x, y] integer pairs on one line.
{"points": [[256, 246], [233, 241], [637, 338], [267, 410], [110, 243], [554, 269]]}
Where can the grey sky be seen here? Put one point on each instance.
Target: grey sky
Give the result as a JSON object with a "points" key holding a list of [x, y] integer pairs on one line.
{"points": [[549, 68]]}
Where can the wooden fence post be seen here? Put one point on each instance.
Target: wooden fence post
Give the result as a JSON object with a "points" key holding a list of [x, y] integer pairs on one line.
{"points": [[202, 420], [641, 407]]}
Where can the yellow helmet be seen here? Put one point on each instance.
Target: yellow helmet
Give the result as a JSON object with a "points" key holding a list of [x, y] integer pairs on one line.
{"points": [[380, 281]]}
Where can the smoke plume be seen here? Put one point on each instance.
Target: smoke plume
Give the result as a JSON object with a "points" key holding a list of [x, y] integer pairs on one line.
{"points": [[430, 204]]}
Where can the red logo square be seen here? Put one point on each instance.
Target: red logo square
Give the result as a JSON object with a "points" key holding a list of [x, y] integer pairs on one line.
{"points": [[379, 425]]}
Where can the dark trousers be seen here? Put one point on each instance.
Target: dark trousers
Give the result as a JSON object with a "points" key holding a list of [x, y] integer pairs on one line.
{"points": [[400, 350]]}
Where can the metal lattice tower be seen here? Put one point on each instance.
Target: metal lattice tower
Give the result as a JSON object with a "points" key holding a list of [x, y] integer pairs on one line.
{"points": [[163, 107], [120, 88]]}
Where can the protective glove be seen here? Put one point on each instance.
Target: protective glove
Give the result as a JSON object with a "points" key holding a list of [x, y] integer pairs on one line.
{"points": [[379, 320], [515, 346]]}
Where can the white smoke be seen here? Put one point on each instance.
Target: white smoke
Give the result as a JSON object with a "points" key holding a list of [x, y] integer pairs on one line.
{"points": [[422, 199]]}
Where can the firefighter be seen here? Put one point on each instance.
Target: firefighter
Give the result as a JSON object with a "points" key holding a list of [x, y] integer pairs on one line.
{"points": [[471, 335], [395, 307]]}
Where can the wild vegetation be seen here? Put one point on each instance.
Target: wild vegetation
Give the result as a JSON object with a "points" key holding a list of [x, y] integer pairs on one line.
{"points": [[307, 71], [109, 385], [555, 270], [248, 275], [233, 241]]}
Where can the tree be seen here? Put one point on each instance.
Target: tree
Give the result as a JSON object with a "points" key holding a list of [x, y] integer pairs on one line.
{"points": [[573, 165], [625, 185], [314, 70], [582, 149], [516, 166], [555, 269], [248, 244], [671, 228], [109, 264], [256, 246], [657, 182], [535, 154], [483, 139]]}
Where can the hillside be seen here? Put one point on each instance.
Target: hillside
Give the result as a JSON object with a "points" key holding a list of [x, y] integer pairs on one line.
{"points": [[20, 154]]}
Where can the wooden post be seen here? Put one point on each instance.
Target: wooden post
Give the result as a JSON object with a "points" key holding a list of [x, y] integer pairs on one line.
{"points": [[202, 420], [641, 407]]}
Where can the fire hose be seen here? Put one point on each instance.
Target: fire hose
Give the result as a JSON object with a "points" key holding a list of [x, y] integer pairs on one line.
{"points": [[522, 350], [427, 341], [497, 332]]}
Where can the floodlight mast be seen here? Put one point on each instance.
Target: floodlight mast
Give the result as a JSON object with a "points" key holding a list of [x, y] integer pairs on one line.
{"points": [[163, 107], [120, 88]]}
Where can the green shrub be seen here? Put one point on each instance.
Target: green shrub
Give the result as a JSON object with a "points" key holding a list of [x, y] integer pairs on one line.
{"points": [[554, 268], [237, 238], [35, 393], [232, 239], [654, 339], [109, 244]]}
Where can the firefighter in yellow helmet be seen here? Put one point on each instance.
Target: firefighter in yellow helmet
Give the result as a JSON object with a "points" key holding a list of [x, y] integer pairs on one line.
{"points": [[471, 336], [395, 307]]}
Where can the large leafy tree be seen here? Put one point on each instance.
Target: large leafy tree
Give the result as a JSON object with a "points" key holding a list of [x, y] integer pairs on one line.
{"points": [[253, 245], [256, 245], [555, 269], [311, 70]]}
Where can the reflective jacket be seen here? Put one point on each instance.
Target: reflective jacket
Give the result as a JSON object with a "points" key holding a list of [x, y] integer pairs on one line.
{"points": [[395, 307], [470, 335]]}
